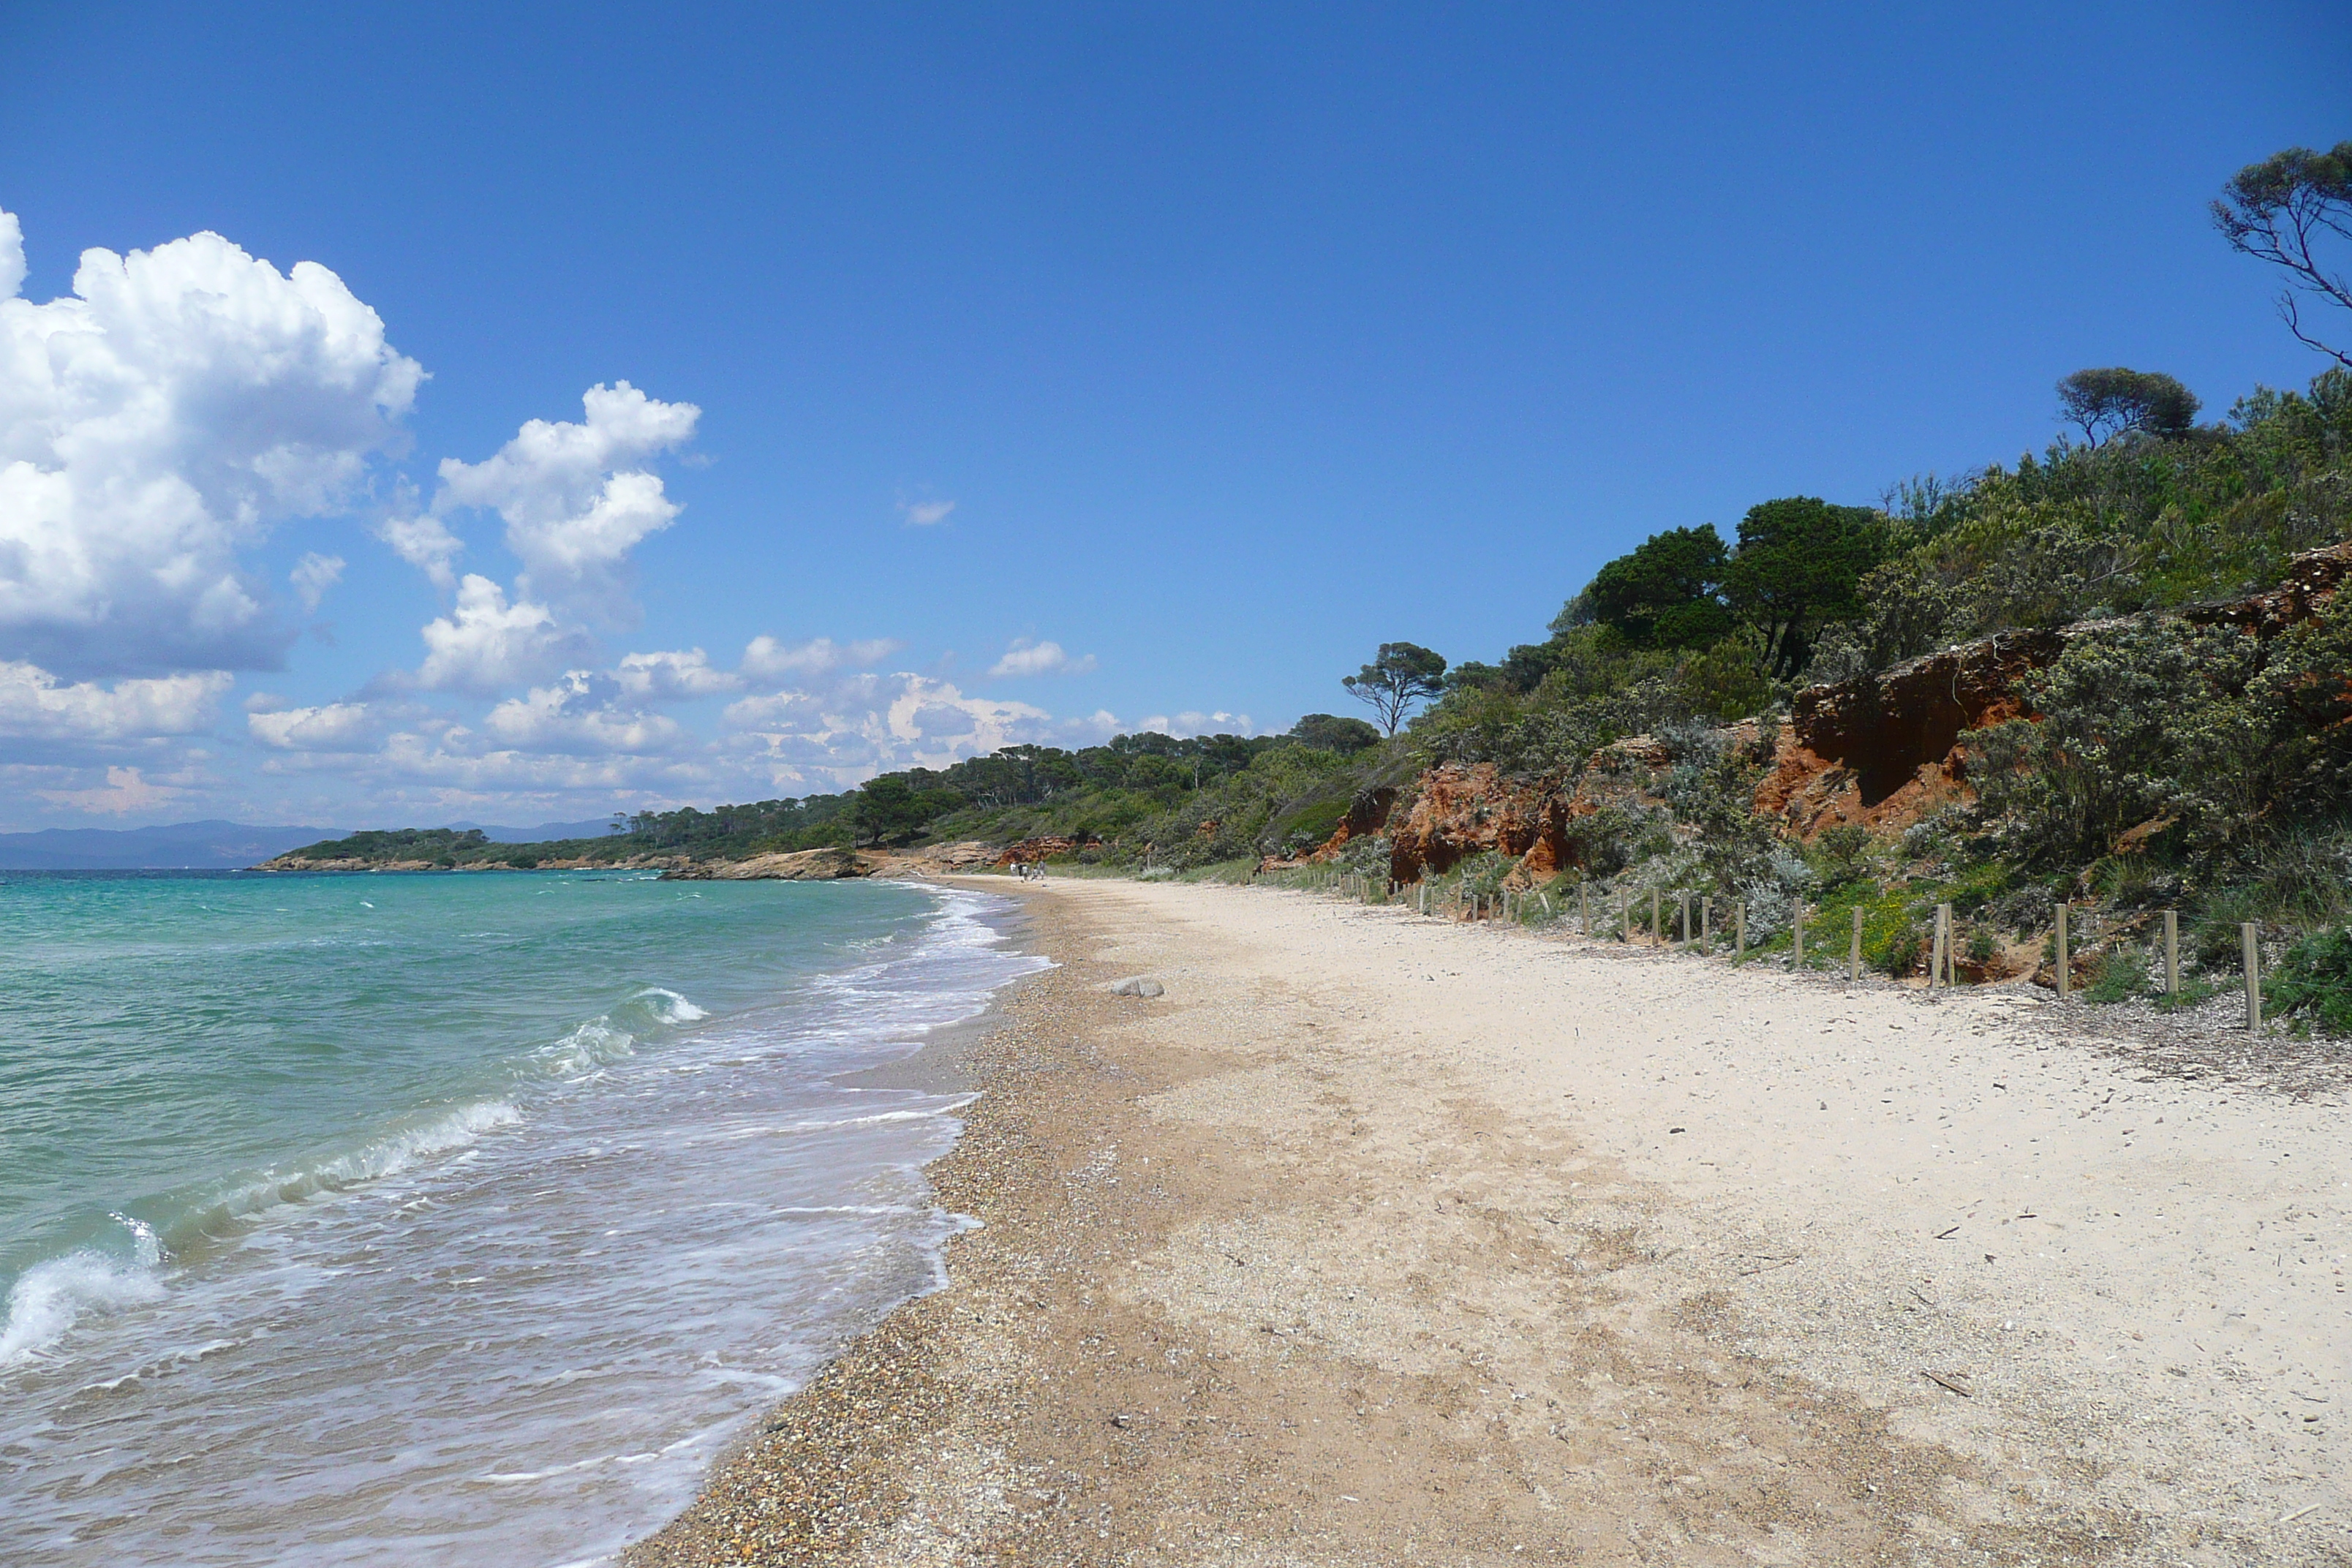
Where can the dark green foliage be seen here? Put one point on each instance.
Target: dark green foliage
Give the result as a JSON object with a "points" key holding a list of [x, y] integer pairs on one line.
{"points": [[1334, 733], [1798, 567], [2085, 532], [1400, 676], [2118, 401], [2313, 980], [1667, 593], [892, 808], [404, 844], [2024, 910], [2284, 210]]}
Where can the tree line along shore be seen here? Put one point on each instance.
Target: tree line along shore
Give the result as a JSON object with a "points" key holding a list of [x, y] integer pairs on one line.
{"points": [[2113, 676]]}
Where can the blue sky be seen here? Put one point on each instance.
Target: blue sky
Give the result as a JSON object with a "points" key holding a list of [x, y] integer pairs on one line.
{"points": [[1017, 372]]}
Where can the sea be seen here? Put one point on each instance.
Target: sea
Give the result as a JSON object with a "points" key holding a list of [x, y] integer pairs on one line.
{"points": [[444, 1219]]}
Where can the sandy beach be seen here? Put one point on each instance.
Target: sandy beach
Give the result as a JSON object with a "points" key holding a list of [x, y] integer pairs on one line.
{"points": [[1380, 1239]]}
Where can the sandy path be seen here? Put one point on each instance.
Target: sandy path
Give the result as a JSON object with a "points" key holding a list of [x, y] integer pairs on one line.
{"points": [[1385, 1240]]}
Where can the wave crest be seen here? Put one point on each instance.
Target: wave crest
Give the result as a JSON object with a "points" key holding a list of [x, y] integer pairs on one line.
{"points": [[47, 1299]]}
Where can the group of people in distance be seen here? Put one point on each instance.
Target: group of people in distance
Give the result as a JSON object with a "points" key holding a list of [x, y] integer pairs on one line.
{"points": [[1029, 870]]}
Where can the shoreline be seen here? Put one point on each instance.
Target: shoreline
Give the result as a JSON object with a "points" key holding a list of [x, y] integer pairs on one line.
{"points": [[1380, 1239], [942, 1063]]}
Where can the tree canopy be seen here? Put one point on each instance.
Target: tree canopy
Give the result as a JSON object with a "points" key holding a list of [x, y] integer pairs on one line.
{"points": [[1798, 568], [2114, 401], [1400, 675], [2280, 211], [1334, 733], [893, 807], [1665, 591]]}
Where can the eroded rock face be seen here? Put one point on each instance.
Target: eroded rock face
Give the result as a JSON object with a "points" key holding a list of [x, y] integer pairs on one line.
{"points": [[1464, 811], [1881, 752], [1030, 850], [1884, 729]]}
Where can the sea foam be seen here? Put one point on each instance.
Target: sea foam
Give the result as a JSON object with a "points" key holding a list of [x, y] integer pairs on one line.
{"points": [[47, 1297]]}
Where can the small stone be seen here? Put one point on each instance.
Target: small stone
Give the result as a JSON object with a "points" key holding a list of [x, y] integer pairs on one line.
{"points": [[1138, 986]]}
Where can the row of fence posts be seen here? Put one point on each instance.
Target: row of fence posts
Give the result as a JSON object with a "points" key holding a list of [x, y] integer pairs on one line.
{"points": [[1941, 958], [1942, 970]]}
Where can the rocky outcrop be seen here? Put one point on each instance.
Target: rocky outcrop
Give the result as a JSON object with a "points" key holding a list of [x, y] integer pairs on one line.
{"points": [[1367, 814], [941, 860], [2313, 579], [1459, 812], [1884, 751], [300, 862], [1881, 752], [1883, 729], [797, 866], [1030, 850]]}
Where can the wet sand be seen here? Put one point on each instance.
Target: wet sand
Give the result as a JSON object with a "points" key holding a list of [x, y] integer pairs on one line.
{"points": [[1381, 1240]]}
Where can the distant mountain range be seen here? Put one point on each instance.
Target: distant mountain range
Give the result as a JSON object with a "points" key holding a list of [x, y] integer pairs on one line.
{"points": [[210, 845], [183, 846]]}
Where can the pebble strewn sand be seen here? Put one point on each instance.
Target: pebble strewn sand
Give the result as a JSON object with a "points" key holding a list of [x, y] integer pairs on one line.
{"points": [[1377, 1240]]}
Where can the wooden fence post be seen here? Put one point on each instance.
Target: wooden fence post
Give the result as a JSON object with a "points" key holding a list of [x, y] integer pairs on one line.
{"points": [[1706, 925], [1657, 921], [2252, 941], [2065, 970], [2172, 952], [1739, 930], [1797, 935], [1683, 905], [1943, 941], [1627, 911], [1585, 909], [1856, 960]]}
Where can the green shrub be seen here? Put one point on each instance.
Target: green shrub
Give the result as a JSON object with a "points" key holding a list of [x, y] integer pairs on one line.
{"points": [[1894, 934], [1841, 851], [2142, 723], [2314, 979], [2119, 975], [2025, 910]]}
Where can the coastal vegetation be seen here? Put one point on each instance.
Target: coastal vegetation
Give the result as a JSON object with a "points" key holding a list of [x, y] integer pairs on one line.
{"points": [[2154, 723]]}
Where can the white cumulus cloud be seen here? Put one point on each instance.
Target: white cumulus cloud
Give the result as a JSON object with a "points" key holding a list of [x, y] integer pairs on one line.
{"points": [[924, 514], [1194, 723], [314, 575], [485, 644], [125, 791], [765, 658], [579, 714], [334, 727], [574, 502], [872, 723], [157, 420], [672, 676], [1027, 658], [425, 544], [35, 705]]}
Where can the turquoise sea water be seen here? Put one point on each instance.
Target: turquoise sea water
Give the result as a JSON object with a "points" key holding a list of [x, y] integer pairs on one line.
{"points": [[441, 1218]]}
